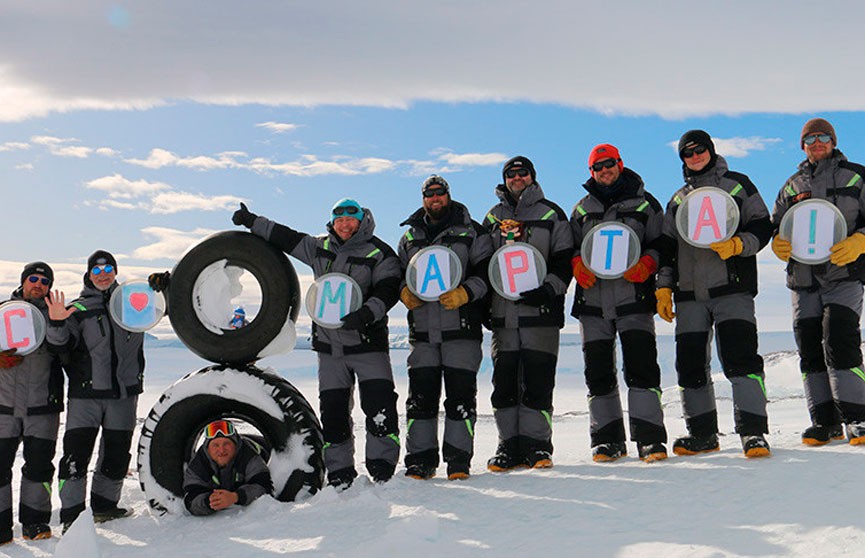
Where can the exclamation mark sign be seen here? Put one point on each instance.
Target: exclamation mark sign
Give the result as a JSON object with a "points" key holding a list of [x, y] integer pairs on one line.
{"points": [[812, 234]]}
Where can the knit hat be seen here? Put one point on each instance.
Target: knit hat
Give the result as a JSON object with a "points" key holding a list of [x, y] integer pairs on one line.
{"points": [[41, 268], [435, 180], [519, 162], [346, 203], [817, 126], [100, 257], [696, 137], [605, 151]]}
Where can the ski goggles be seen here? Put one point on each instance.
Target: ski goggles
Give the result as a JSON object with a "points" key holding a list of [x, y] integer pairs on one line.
{"points": [[99, 269], [605, 164], [345, 210], [217, 427], [809, 140], [517, 172], [697, 149], [44, 280]]}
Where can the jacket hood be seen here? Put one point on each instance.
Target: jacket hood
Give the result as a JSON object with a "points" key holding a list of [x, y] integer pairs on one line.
{"points": [[18, 294], [531, 195], [836, 158], [709, 176], [631, 186], [363, 234]]}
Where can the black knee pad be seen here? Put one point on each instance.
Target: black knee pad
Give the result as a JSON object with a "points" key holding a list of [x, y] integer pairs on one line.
{"points": [[506, 388], [539, 377], [377, 399], [335, 405], [38, 459], [640, 359], [424, 393], [115, 460], [8, 448], [461, 389], [737, 348], [691, 359], [809, 339], [600, 366], [841, 327], [77, 450]]}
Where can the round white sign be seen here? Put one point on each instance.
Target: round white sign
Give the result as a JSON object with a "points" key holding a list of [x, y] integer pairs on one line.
{"points": [[515, 268], [136, 307], [610, 249], [812, 227], [707, 215], [432, 271], [330, 297], [22, 327]]}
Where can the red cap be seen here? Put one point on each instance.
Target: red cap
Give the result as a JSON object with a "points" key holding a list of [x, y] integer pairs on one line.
{"points": [[605, 151]]}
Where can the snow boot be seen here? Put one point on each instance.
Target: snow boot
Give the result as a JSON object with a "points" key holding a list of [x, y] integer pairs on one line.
{"points": [[341, 480], [652, 452], [36, 531], [506, 459], [856, 433], [540, 459], [755, 445], [420, 471], [458, 471], [692, 445], [818, 435], [5, 537], [380, 470], [110, 514], [604, 453]]}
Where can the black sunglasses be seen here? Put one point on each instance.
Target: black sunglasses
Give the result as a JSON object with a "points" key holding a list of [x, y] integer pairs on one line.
{"points": [[518, 172], [430, 192], [605, 164], [698, 149], [809, 140], [343, 210], [45, 281]]}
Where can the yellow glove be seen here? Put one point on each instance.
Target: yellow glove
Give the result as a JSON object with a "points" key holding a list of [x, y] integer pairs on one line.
{"points": [[848, 250], [452, 300], [409, 299], [665, 304], [728, 248], [782, 248]]}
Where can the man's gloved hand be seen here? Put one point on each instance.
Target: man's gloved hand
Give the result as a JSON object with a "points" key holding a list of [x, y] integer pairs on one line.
{"points": [[8, 358], [848, 250], [665, 304], [455, 298], [642, 270], [728, 248], [409, 299], [358, 319], [782, 248], [159, 281], [543, 295], [243, 216], [584, 276]]}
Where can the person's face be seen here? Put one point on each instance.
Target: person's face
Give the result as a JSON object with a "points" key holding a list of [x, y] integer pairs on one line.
{"points": [[517, 180], [345, 227], [608, 174], [104, 278], [221, 451], [695, 160], [818, 150], [436, 201], [35, 290]]}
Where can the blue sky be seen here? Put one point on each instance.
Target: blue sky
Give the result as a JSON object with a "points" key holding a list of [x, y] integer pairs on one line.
{"points": [[138, 127]]}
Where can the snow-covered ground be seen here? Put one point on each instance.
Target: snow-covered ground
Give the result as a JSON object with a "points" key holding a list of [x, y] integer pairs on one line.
{"points": [[800, 502]]}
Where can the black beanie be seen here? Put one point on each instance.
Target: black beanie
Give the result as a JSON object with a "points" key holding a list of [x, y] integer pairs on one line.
{"points": [[696, 137], [519, 162], [41, 268], [100, 257]]}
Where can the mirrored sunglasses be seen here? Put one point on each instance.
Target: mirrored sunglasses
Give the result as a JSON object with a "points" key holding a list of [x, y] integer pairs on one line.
{"points": [[698, 149], [219, 427], [605, 164], [809, 140], [517, 172], [345, 210], [97, 269], [44, 280]]}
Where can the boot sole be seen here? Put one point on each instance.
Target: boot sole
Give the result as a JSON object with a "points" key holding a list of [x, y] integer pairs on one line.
{"points": [[420, 477], [859, 441], [606, 458], [497, 469], [758, 452], [38, 537], [543, 464], [652, 457], [458, 476], [684, 451]]}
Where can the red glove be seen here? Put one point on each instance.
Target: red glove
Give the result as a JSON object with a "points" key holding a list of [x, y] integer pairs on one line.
{"points": [[8, 358], [584, 276], [641, 270]]}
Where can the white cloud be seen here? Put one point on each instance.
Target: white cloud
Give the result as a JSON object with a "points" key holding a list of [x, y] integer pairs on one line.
{"points": [[13, 146], [61, 148], [160, 158], [158, 197], [116, 186], [24, 166], [169, 243], [737, 147], [175, 202], [278, 127]]}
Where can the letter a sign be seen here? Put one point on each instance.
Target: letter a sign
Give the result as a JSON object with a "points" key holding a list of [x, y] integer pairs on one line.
{"points": [[707, 215], [432, 271]]}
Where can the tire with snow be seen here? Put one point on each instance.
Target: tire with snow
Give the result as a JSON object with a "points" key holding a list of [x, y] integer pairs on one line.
{"points": [[279, 412], [280, 297]]}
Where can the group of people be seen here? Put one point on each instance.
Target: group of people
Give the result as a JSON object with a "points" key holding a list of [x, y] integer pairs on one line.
{"points": [[706, 290]]}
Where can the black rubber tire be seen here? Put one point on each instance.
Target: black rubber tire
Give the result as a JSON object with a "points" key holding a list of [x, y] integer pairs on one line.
{"points": [[175, 423], [280, 297]]}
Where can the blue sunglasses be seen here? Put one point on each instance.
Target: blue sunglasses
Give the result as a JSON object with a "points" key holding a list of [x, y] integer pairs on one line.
{"points": [[45, 281], [97, 269]]}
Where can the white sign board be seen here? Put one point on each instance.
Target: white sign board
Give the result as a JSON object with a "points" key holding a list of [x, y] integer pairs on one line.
{"points": [[432, 271], [707, 218], [22, 327], [331, 297], [609, 254], [812, 227]]}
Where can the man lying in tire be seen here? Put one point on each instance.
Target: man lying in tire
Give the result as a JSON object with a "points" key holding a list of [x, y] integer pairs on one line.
{"points": [[359, 348], [226, 470]]}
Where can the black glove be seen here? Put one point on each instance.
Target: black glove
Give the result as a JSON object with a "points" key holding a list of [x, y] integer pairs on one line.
{"points": [[243, 217], [542, 296], [358, 319], [8, 358], [159, 281]]}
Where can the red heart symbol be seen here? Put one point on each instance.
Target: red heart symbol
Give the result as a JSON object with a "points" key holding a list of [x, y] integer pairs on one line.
{"points": [[139, 301]]}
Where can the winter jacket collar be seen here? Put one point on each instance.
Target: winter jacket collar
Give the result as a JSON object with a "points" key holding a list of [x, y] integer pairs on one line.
{"points": [[629, 185], [710, 176], [530, 196], [18, 294], [826, 165]]}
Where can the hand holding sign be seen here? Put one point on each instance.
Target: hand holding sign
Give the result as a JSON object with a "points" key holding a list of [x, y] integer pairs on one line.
{"points": [[848, 250], [56, 303], [782, 248], [433, 271], [728, 248], [8, 358], [584, 276]]}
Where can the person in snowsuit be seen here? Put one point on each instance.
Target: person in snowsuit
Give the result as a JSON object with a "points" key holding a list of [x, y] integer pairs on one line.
{"points": [[525, 342], [625, 305], [357, 349], [445, 335], [105, 366], [827, 297], [715, 288], [31, 400], [226, 470]]}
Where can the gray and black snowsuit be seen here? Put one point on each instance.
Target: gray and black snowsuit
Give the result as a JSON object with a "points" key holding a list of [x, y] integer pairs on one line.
{"points": [[31, 400], [525, 344], [446, 344], [617, 305], [343, 354], [247, 475], [827, 299], [711, 292], [105, 367]]}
